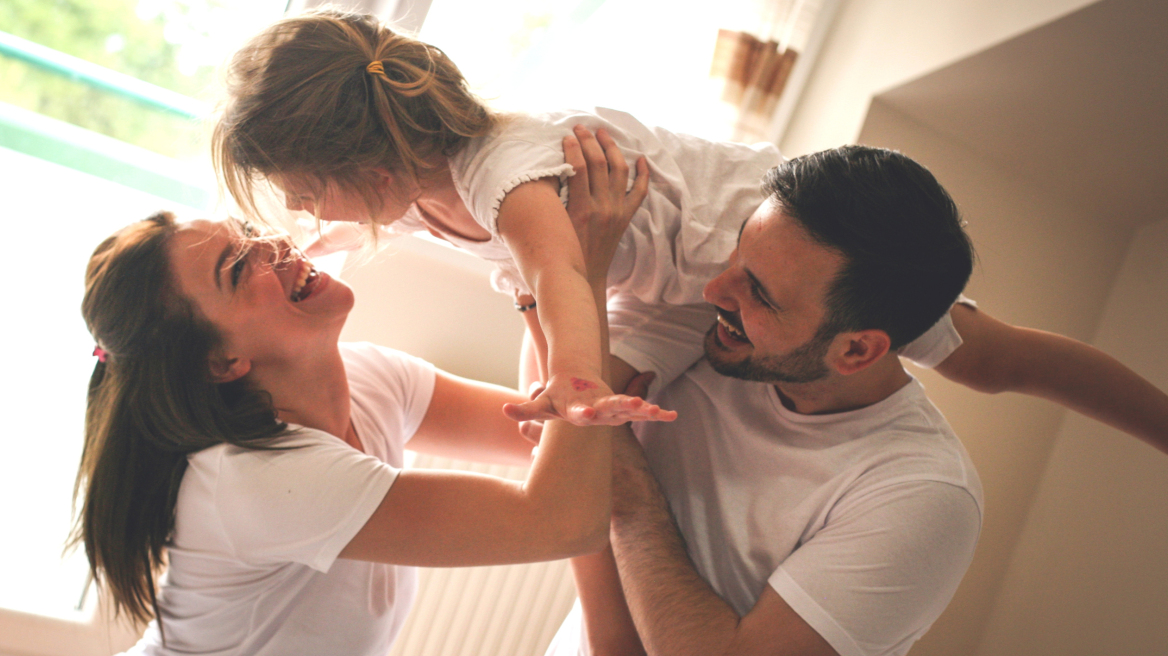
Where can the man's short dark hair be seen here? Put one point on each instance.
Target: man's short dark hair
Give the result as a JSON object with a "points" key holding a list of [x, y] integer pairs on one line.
{"points": [[907, 256]]}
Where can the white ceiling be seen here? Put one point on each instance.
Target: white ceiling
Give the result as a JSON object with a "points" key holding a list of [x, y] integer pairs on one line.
{"points": [[1079, 106]]}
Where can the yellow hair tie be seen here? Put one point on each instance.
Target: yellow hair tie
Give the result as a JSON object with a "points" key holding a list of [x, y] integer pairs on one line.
{"points": [[375, 68]]}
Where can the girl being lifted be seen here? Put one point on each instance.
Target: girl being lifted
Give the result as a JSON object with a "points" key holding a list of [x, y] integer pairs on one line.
{"points": [[354, 122]]}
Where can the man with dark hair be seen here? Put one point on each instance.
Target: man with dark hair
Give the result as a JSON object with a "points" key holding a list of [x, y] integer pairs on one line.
{"points": [[826, 505], [899, 231], [809, 499]]}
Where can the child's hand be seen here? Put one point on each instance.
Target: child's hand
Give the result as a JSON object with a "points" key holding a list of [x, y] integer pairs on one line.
{"points": [[598, 203], [585, 402]]}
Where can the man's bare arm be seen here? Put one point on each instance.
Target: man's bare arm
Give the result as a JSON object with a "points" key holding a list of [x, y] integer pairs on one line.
{"points": [[675, 611]]}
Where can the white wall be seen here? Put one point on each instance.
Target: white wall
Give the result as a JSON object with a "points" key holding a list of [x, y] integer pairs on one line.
{"points": [[1068, 558], [1042, 263], [1088, 575], [436, 303], [877, 44]]}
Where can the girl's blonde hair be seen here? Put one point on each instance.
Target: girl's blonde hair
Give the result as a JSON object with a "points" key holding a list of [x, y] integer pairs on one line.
{"points": [[328, 96]]}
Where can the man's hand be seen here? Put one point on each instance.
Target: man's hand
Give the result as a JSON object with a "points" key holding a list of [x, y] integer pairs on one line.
{"points": [[598, 203]]}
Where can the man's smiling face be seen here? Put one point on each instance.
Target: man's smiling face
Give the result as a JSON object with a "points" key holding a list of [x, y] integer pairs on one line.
{"points": [[770, 303]]}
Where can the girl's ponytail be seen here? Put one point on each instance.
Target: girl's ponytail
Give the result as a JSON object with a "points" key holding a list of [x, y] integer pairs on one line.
{"points": [[330, 96]]}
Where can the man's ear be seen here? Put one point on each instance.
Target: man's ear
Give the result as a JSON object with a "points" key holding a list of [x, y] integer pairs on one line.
{"points": [[860, 350], [226, 370]]}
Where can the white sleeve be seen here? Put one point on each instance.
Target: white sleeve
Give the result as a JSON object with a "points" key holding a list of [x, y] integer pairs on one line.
{"points": [[301, 504], [887, 563], [393, 388], [665, 339], [938, 342], [501, 165]]}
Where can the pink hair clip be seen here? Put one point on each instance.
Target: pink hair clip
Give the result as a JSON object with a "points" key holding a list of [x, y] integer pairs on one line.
{"points": [[101, 353]]}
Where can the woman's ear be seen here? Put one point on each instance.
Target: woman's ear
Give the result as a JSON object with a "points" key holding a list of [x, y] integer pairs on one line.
{"points": [[226, 370]]}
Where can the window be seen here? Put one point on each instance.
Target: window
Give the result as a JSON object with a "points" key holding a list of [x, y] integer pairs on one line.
{"points": [[175, 45], [637, 56], [100, 104]]}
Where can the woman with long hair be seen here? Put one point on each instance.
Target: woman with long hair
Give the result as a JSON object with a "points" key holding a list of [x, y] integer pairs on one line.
{"points": [[233, 442]]}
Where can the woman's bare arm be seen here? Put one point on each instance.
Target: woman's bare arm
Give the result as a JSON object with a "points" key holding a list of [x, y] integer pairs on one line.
{"points": [[454, 519], [435, 518], [464, 421]]}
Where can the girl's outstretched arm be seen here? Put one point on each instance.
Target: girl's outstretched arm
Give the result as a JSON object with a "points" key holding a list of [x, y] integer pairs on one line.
{"points": [[543, 241], [997, 357]]}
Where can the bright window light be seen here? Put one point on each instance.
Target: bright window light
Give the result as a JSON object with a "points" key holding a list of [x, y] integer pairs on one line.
{"points": [[56, 215], [640, 56], [59, 216]]}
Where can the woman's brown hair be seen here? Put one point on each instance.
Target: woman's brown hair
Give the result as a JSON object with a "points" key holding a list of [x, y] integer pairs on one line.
{"points": [[151, 402], [328, 96]]}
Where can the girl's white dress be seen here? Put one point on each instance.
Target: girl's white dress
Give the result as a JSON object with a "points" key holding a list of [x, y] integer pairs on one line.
{"points": [[700, 193]]}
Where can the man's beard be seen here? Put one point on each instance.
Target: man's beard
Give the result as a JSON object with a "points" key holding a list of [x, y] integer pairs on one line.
{"points": [[804, 364]]}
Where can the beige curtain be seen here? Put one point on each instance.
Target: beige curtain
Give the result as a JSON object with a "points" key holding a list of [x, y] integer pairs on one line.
{"points": [[754, 66]]}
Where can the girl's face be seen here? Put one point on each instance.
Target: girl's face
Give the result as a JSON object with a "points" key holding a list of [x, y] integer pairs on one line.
{"points": [[334, 202], [264, 297]]}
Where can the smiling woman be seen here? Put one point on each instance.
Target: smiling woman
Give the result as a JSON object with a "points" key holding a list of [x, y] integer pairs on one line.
{"points": [[229, 430], [260, 292]]}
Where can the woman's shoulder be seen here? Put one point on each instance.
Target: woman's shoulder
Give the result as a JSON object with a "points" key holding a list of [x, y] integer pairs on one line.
{"points": [[366, 361], [215, 458], [388, 386]]}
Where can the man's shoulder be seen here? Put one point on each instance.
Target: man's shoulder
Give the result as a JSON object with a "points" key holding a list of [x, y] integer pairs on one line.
{"points": [[913, 441]]}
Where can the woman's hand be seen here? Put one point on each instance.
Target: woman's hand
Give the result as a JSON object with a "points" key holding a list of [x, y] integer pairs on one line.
{"points": [[585, 402], [598, 203]]}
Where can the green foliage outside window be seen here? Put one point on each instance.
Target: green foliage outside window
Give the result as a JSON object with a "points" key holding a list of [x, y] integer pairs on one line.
{"points": [[165, 42]]}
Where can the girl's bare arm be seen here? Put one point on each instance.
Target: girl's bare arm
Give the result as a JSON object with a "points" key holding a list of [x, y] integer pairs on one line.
{"points": [[997, 357], [432, 518], [543, 241]]}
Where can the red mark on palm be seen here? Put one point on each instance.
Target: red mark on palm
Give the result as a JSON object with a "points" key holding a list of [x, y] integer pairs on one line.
{"points": [[581, 385]]}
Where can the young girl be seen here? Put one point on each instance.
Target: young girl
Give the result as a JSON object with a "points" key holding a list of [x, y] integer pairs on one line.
{"points": [[229, 435], [354, 122]]}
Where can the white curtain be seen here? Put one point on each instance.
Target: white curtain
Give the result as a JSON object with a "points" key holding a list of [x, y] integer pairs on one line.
{"points": [[407, 15]]}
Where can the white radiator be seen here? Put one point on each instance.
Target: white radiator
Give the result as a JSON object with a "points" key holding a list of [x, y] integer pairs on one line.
{"points": [[511, 610]]}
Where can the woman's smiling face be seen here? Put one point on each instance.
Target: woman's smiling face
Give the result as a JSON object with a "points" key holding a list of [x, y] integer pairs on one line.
{"points": [[265, 298]]}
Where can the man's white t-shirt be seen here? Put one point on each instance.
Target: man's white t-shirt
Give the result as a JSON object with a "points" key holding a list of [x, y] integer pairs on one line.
{"points": [[864, 522], [253, 567]]}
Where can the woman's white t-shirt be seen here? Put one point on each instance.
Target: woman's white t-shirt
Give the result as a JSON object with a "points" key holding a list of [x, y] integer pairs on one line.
{"points": [[253, 567]]}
